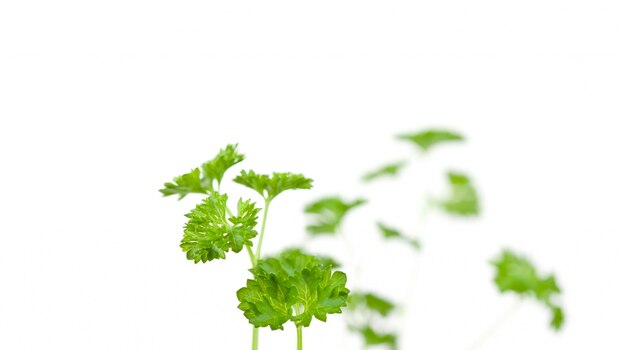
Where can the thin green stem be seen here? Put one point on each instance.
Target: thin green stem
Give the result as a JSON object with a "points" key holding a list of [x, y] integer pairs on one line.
{"points": [[501, 321], [254, 259], [299, 328], [260, 242], [255, 338], [251, 255]]}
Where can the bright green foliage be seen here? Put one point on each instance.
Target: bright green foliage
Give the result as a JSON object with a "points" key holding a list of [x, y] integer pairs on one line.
{"points": [[463, 198], [202, 180], [184, 185], [386, 170], [427, 139], [373, 337], [271, 186], [292, 287], [214, 169], [328, 214], [392, 233], [211, 231], [516, 274]]}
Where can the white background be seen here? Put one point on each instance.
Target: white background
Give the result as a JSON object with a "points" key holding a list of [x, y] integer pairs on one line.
{"points": [[102, 102]]}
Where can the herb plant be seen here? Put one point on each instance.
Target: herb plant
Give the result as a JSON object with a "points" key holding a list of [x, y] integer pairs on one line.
{"points": [[292, 286]]}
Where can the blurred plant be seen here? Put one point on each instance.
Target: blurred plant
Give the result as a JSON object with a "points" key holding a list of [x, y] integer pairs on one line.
{"points": [[368, 311], [515, 274], [293, 286]]}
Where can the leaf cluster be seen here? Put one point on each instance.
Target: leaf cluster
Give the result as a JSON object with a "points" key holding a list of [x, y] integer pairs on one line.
{"points": [[271, 186], [517, 274], [212, 230], [292, 286], [328, 213], [202, 180]]}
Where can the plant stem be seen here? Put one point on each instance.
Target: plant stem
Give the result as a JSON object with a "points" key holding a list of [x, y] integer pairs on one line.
{"points": [[299, 329], [260, 242], [253, 259], [255, 338], [501, 321], [251, 255]]}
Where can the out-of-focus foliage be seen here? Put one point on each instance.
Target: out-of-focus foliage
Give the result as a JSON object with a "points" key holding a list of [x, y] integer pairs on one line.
{"points": [[271, 186], [367, 311], [516, 274], [386, 170], [328, 213], [202, 180], [212, 231], [390, 233], [427, 139], [292, 287], [462, 199]]}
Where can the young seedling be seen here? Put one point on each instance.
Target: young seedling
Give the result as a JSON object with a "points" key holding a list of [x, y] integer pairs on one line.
{"points": [[295, 287], [213, 230]]}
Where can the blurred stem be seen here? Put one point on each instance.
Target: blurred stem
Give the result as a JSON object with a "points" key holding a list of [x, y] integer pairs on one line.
{"points": [[496, 326]]}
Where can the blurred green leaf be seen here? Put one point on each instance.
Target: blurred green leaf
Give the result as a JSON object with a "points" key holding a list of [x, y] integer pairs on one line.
{"points": [[462, 199], [372, 337], [372, 302], [271, 186], [386, 170], [390, 233], [516, 274], [328, 214], [427, 139]]}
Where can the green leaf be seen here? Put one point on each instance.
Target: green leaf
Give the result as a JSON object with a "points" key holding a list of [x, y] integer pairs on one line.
{"points": [[271, 186], [462, 199], [557, 318], [211, 231], [427, 139], [214, 170], [372, 337], [201, 180], [184, 185], [292, 287], [372, 302], [390, 233], [517, 274], [328, 214], [386, 170]]}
